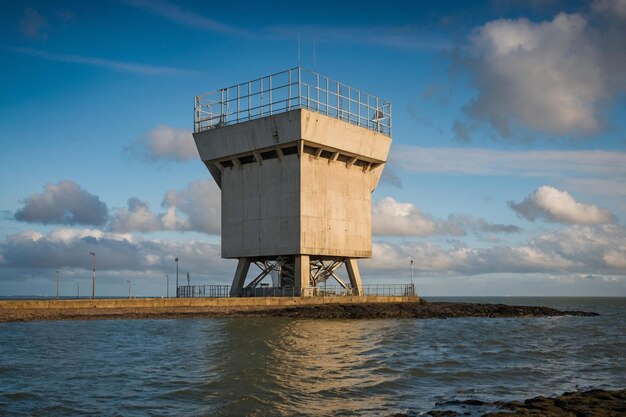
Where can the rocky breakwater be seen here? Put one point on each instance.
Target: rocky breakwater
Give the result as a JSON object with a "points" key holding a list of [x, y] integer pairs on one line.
{"points": [[321, 310], [420, 310], [591, 403]]}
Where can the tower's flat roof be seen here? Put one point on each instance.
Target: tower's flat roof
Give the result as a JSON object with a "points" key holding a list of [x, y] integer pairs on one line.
{"points": [[296, 88]]}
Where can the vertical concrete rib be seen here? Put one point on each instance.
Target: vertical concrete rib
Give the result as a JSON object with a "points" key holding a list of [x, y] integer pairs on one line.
{"points": [[236, 289], [302, 275], [354, 275]]}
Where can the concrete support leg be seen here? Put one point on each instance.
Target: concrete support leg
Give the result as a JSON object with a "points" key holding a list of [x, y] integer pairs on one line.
{"points": [[302, 275], [354, 275], [236, 290]]}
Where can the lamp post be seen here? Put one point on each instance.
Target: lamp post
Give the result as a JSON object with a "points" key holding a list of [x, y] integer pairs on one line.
{"points": [[411, 271], [167, 277], [188, 279], [176, 277], [57, 284], [128, 288], [93, 277]]}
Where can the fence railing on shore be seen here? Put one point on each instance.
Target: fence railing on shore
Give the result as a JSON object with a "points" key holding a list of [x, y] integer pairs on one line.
{"points": [[203, 291], [223, 291], [388, 290]]}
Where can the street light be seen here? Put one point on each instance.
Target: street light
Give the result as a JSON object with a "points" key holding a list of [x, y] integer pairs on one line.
{"points": [[167, 277], [188, 279], [176, 277], [128, 288], [57, 284], [93, 277], [411, 271]]}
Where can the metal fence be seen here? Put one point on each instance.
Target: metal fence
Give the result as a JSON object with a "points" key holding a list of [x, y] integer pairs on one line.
{"points": [[222, 291], [296, 88], [203, 291], [404, 290], [269, 292]]}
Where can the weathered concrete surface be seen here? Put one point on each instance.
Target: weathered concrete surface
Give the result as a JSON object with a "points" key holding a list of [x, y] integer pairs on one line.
{"points": [[241, 138], [233, 302], [314, 200]]}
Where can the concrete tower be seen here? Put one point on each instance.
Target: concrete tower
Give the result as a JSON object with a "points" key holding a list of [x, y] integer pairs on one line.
{"points": [[297, 157]]}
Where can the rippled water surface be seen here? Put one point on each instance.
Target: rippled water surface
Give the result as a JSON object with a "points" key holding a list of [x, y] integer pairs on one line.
{"points": [[275, 366]]}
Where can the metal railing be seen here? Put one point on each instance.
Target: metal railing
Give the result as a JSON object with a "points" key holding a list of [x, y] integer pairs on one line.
{"points": [[269, 292], [223, 291], [404, 290], [204, 291], [296, 88]]}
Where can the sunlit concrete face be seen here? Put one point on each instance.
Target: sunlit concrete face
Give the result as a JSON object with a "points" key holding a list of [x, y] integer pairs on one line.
{"points": [[295, 183], [261, 208]]}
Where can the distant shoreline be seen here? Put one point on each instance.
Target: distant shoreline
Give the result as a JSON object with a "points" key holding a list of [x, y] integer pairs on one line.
{"points": [[292, 308]]}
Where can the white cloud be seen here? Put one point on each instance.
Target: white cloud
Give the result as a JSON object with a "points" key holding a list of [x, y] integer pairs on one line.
{"points": [[165, 142], [33, 25], [63, 203], [184, 17], [554, 205], [401, 219], [570, 165], [616, 258], [614, 7], [392, 218], [201, 204], [136, 217], [69, 248], [194, 208], [553, 76], [404, 37], [575, 249], [121, 66], [399, 37]]}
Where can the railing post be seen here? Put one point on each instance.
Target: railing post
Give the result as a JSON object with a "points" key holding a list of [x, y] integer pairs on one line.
{"points": [[349, 103], [317, 92], [389, 119], [299, 88], [338, 101], [359, 109], [327, 103], [289, 90]]}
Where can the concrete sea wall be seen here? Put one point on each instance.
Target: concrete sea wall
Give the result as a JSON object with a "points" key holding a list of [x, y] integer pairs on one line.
{"points": [[218, 303]]}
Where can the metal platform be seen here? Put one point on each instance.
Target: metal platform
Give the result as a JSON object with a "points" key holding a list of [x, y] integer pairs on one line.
{"points": [[296, 88]]}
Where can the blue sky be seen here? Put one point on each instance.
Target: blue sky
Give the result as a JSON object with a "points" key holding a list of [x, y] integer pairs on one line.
{"points": [[507, 169]]}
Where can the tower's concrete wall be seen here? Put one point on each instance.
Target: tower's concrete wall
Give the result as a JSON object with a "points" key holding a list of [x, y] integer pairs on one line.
{"points": [[261, 208], [297, 183], [336, 208]]}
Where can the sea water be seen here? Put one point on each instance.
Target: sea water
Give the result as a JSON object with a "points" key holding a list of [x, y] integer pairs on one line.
{"points": [[285, 367]]}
